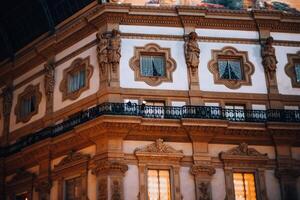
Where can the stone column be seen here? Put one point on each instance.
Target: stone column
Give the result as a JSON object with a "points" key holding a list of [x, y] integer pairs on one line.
{"points": [[202, 176], [110, 177]]}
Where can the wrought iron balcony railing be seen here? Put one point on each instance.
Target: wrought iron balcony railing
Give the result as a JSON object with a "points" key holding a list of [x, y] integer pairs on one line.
{"points": [[160, 112]]}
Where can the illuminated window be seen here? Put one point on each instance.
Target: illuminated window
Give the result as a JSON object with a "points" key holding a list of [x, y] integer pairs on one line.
{"points": [[244, 186], [159, 186], [73, 189], [230, 69]]}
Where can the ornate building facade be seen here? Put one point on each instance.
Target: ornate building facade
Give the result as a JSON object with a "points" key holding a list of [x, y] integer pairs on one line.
{"points": [[131, 102]]}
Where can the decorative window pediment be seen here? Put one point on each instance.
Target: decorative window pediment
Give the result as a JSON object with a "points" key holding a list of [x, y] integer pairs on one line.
{"points": [[231, 67], [76, 78], [72, 183], [152, 64], [28, 103], [292, 69], [21, 185]]}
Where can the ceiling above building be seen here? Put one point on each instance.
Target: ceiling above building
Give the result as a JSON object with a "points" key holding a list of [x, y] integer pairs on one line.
{"points": [[21, 21]]}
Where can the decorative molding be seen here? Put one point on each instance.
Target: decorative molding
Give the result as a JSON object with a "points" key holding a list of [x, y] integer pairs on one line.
{"points": [[290, 68], [22, 182], [28, 91], [102, 167], [157, 147], [230, 52], [72, 158], [150, 49], [242, 152], [77, 64], [202, 169]]}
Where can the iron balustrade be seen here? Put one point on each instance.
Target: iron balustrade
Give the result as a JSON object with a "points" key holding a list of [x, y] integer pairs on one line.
{"points": [[159, 112]]}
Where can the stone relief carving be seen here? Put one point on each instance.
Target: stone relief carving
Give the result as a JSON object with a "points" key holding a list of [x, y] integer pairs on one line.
{"points": [[104, 166], [158, 147], [116, 190], [102, 189], [243, 150], [114, 49], [102, 52], [192, 52], [49, 79], [203, 188], [269, 60], [7, 100], [200, 169]]}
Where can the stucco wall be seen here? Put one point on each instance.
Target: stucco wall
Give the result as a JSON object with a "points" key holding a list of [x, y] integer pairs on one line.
{"points": [[94, 81], [218, 185], [284, 82], [272, 184], [206, 77], [221, 33], [127, 74], [42, 106], [187, 184], [131, 183]]}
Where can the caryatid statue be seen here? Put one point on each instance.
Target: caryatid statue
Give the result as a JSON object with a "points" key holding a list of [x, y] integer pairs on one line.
{"points": [[114, 50], [49, 79], [102, 52], [192, 52], [269, 60]]}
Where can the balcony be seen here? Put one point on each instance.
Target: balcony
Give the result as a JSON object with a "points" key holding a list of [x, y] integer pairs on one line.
{"points": [[159, 112]]}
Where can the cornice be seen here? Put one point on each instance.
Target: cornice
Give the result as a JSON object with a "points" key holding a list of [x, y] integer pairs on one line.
{"points": [[89, 19]]}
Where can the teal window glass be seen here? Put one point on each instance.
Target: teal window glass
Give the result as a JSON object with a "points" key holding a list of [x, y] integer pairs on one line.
{"points": [[230, 69], [152, 66], [76, 80]]}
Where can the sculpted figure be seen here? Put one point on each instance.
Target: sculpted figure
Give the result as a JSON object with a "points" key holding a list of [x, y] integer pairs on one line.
{"points": [[269, 58], [102, 51], [114, 49], [192, 52], [7, 100], [49, 79], [203, 188]]}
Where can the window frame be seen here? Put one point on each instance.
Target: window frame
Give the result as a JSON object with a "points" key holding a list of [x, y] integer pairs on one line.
{"points": [[159, 155], [290, 68], [149, 50], [76, 66], [29, 91], [228, 52], [79, 164], [171, 174], [245, 159]]}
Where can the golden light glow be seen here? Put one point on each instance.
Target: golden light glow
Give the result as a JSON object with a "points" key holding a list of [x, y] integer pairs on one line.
{"points": [[159, 187], [244, 186]]}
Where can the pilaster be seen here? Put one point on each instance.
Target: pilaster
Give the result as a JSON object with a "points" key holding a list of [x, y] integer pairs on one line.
{"points": [[43, 182]]}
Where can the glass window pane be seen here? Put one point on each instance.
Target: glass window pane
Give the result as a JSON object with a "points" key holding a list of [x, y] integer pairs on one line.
{"points": [[76, 80], [164, 185], [230, 69], [297, 70], [152, 66], [153, 186], [244, 186]]}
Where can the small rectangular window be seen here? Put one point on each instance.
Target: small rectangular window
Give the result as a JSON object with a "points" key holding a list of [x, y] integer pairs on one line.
{"points": [[159, 184], [73, 189], [76, 80], [244, 186], [152, 66], [297, 71], [230, 69]]}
